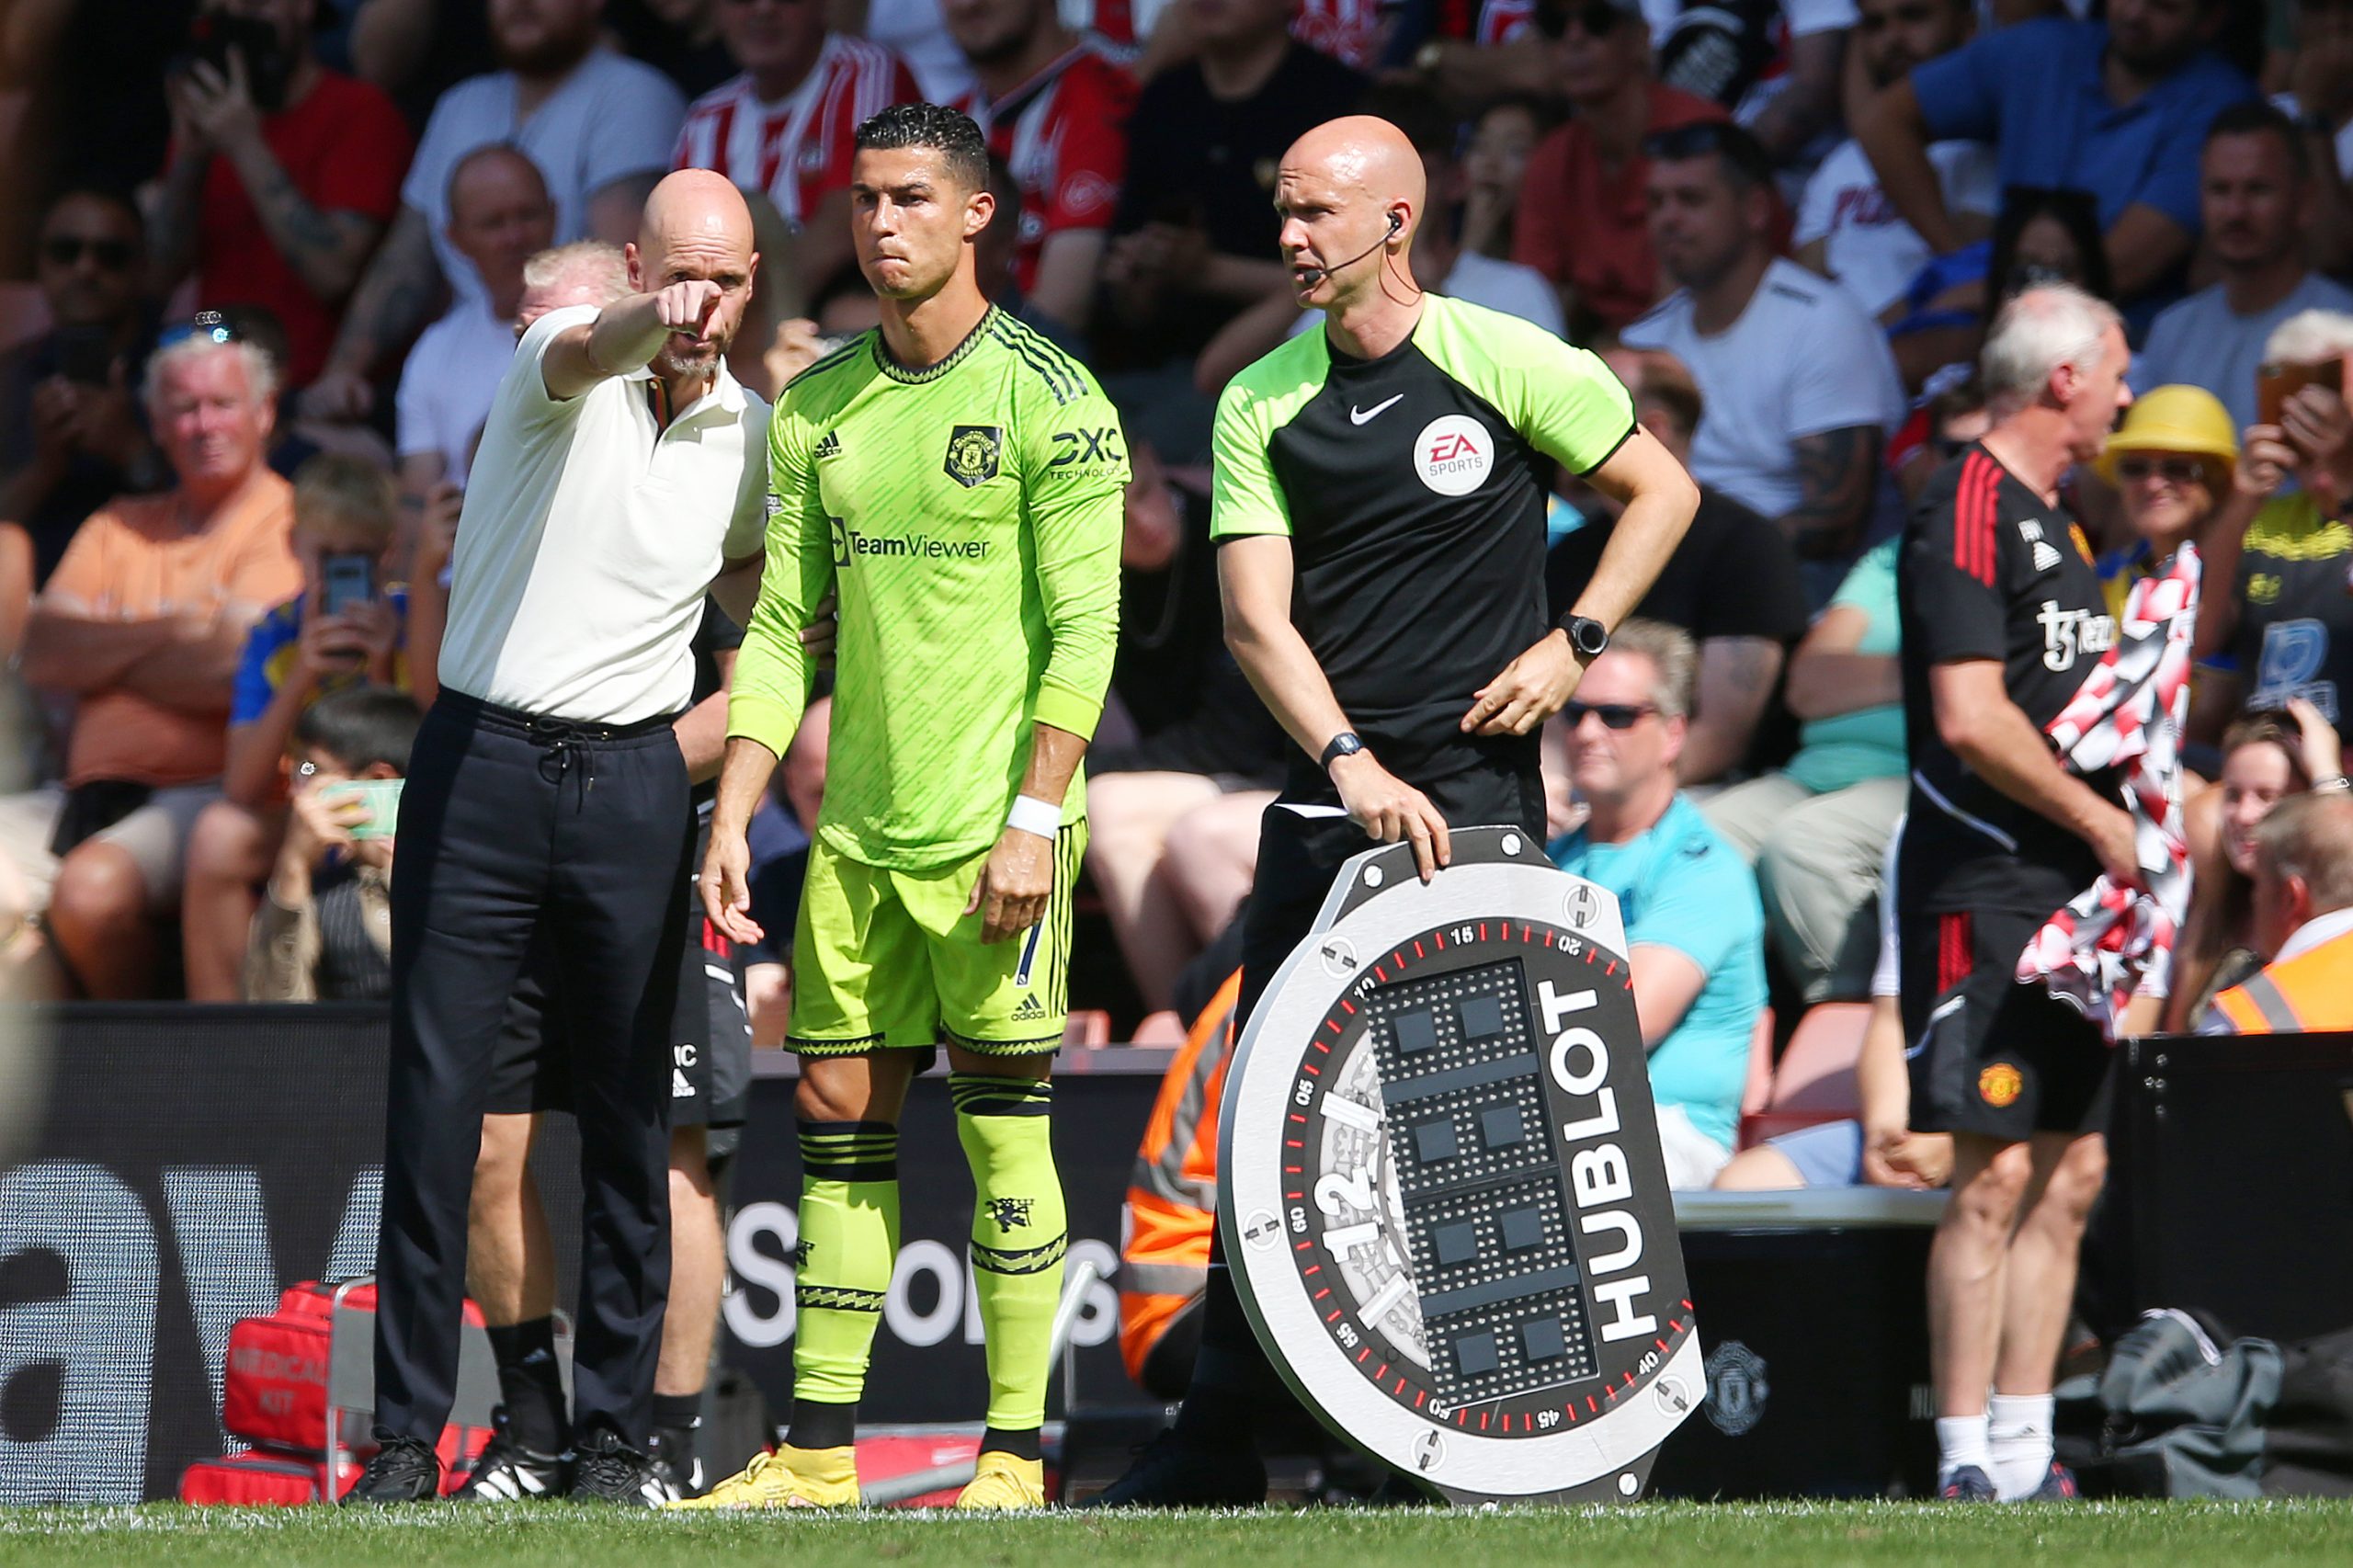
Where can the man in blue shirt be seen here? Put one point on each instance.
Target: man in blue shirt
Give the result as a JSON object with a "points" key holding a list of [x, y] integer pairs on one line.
{"points": [[2117, 108], [1695, 929]]}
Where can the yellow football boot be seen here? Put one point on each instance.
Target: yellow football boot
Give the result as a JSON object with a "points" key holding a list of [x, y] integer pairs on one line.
{"points": [[1004, 1483], [788, 1477]]}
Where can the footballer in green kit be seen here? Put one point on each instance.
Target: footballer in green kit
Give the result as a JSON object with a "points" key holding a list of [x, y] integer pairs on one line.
{"points": [[954, 483]]}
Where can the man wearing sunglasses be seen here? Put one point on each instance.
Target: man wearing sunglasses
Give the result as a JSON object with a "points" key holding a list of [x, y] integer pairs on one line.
{"points": [[1695, 926], [1380, 514], [70, 433]]}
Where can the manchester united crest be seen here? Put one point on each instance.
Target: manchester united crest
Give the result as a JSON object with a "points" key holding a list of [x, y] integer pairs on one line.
{"points": [[972, 453]]}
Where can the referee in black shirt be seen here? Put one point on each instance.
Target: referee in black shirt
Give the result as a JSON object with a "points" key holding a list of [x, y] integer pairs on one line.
{"points": [[1380, 509]]}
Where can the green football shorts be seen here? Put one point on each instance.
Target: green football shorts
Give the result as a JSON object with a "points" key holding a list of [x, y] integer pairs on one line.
{"points": [[890, 958]]}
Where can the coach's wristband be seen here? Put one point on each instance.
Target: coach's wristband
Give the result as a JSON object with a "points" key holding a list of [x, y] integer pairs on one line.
{"points": [[1031, 814]]}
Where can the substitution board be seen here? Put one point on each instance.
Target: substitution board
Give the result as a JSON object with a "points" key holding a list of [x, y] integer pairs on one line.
{"points": [[1445, 1208]]}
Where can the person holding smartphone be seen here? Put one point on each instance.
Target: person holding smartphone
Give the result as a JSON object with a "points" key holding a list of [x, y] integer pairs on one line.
{"points": [[344, 629], [2274, 621], [324, 932]]}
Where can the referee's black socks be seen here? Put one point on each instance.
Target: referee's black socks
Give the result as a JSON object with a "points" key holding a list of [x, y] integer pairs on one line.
{"points": [[531, 1385]]}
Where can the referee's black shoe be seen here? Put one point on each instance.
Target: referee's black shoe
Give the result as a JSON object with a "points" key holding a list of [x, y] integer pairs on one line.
{"points": [[1178, 1471], [607, 1470], [406, 1470], [506, 1472]]}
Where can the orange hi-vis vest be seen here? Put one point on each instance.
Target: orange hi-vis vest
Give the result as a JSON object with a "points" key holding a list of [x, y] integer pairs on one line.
{"points": [[2312, 990], [1172, 1197]]}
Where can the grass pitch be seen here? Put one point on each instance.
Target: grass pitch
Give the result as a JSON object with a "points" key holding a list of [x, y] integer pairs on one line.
{"points": [[2141, 1535]]}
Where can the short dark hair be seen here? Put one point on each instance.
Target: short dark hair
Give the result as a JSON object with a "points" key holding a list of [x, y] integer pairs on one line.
{"points": [[943, 131], [2257, 118], [361, 727], [1747, 165]]}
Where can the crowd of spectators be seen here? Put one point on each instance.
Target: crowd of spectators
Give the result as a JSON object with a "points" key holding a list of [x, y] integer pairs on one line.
{"points": [[1785, 224]]}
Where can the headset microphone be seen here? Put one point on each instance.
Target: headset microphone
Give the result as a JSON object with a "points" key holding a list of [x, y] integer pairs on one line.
{"points": [[1315, 275]]}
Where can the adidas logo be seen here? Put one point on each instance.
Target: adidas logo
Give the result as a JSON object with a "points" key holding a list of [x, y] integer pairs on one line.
{"points": [[2045, 557], [1030, 1008], [831, 447]]}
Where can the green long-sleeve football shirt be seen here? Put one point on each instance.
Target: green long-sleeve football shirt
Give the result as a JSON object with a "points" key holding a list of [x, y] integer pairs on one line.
{"points": [[968, 516]]}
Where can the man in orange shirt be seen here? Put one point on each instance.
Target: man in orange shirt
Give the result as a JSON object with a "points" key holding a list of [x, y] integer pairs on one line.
{"points": [[142, 624], [2304, 917], [1583, 202]]}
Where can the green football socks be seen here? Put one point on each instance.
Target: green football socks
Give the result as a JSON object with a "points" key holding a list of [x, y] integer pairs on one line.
{"points": [[849, 1241], [1020, 1232]]}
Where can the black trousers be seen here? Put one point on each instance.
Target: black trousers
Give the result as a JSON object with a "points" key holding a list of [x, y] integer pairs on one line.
{"points": [[509, 823]]}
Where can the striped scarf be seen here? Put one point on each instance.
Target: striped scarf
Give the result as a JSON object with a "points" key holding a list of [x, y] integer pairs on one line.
{"points": [[2114, 942]]}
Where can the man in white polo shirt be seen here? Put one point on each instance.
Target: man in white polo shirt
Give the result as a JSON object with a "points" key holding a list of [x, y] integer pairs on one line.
{"points": [[620, 477]]}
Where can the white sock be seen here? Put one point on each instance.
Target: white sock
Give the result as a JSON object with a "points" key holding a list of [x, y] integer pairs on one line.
{"points": [[1961, 1440], [2019, 1430]]}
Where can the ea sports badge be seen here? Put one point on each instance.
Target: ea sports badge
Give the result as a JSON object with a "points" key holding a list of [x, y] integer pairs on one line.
{"points": [[1445, 1207]]}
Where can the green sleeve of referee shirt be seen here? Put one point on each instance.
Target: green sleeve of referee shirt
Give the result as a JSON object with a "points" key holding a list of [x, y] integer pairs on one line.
{"points": [[1075, 480], [773, 671], [1246, 495], [1560, 398]]}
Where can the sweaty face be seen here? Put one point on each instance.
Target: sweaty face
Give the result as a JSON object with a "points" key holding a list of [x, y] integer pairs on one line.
{"points": [[208, 421], [538, 37], [1610, 764], [911, 221], [1896, 35], [1326, 224], [772, 36], [87, 262], [2248, 195], [700, 254], [2255, 778], [1699, 221]]}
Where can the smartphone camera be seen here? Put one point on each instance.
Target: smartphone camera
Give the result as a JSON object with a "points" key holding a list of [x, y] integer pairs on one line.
{"points": [[346, 580]]}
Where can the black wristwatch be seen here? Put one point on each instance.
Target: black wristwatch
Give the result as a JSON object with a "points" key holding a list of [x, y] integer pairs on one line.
{"points": [[1586, 635], [1345, 744]]}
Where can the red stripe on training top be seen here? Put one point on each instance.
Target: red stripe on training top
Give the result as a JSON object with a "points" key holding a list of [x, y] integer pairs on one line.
{"points": [[1974, 521]]}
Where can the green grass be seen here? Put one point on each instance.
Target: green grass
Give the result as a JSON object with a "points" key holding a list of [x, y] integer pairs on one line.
{"points": [[1800, 1535]]}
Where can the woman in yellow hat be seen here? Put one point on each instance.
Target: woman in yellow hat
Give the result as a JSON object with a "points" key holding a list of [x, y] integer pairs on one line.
{"points": [[2171, 465]]}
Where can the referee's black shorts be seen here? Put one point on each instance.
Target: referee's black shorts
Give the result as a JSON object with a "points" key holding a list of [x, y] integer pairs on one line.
{"points": [[1300, 858], [1989, 1055]]}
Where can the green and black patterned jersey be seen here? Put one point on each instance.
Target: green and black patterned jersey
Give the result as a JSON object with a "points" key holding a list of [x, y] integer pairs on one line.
{"points": [[1413, 490], [969, 516]]}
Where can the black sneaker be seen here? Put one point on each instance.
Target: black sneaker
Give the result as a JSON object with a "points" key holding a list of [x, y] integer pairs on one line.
{"points": [[1967, 1484], [509, 1472], [1173, 1471], [406, 1470], [606, 1470], [675, 1462]]}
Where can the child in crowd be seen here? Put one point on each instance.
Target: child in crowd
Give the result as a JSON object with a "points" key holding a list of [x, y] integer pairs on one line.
{"points": [[344, 629]]}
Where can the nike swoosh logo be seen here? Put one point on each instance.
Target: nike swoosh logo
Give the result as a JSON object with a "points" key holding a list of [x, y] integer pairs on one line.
{"points": [[1366, 415]]}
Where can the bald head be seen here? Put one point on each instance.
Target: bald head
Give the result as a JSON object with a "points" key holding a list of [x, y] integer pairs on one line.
{"points": [[1365, 157], [1350, 193], [496, 172], [698, 207], [697, 228]]}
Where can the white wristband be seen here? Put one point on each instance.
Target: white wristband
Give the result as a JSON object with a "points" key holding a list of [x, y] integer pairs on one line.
{"points": [[1031, 814]]}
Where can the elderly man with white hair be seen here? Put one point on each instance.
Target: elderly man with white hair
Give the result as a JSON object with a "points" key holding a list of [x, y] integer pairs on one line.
{"points": [[142, 625], [2003, 619], [2276, 597]]}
